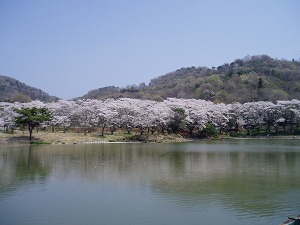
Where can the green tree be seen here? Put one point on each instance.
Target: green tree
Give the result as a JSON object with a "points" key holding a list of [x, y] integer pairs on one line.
{"points": [[177, 121], [208, 131], [259, 87], [20, 98], [32, 117], [260, 84]]}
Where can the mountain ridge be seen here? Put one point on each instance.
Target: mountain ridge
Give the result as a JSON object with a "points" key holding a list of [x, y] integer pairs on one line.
{"points": [[254, 78], [13, 90]]}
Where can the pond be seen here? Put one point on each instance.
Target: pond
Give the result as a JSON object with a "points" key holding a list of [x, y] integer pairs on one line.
{"points": [[206, 182]]}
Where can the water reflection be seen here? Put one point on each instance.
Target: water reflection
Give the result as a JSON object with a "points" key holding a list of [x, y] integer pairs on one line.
{"points": [[244, 178], [251, 182], [22, 166]]}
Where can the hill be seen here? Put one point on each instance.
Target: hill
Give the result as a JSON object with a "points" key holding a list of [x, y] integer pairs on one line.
{"points": [[12, 90], [255, 78]]}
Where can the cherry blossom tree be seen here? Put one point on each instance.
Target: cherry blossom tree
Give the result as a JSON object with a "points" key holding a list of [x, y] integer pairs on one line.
{"points": [[187, 115], [61, 112]]}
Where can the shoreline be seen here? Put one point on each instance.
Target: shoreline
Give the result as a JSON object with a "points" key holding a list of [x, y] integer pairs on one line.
{"points": [[79, 138], [94, 138]]}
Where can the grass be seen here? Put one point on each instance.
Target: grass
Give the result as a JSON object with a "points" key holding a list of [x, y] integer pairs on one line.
{"points": [[48, 137], [264, 133], [39, 143], [43, 137]]}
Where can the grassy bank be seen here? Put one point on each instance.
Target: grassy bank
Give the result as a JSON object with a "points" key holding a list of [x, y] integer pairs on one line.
{"points": [[43, 137], [77, 138]]}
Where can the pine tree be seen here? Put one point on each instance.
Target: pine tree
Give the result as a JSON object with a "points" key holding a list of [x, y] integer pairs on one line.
{"points": [[32, 117], [260, 84]]}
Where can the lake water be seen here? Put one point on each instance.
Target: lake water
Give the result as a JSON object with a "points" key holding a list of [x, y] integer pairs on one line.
{"points": [[208, 182]]}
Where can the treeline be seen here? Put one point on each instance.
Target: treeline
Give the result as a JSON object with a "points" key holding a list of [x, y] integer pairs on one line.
{"points": [[189, 117], [14, 91], [254, 78]]}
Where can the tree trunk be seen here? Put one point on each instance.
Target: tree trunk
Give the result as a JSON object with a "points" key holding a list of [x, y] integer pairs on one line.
{"points": [[112, 129], [269, 127], [30, 129], [276, 129], [30, 133]]}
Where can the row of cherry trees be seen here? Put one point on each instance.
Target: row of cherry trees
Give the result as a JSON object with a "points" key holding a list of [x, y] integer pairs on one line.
{"points": [[171, 115]]}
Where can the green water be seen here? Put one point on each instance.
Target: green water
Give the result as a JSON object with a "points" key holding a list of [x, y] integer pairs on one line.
{"points": [[207, 182]]}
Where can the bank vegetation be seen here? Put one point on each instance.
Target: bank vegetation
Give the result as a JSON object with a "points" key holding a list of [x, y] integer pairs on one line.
{"points": [[154, 121]]}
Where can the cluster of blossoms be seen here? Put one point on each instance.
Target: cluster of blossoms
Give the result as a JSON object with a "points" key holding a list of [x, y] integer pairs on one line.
{"points": [[191, 114]]}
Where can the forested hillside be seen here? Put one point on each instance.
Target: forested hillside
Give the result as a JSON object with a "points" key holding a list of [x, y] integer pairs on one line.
{"points": [[12, 90], [255, 78]]}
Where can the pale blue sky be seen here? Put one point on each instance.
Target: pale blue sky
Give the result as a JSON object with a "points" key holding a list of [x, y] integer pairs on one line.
{"points": [[68, 47]]}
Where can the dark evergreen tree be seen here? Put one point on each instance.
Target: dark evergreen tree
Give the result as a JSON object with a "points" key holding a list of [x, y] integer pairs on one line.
{"points": [[32, 117], [260, 84]]}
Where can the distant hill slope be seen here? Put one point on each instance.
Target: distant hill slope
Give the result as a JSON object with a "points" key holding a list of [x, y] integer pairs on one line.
{"points": [[255, 78], [12, 90]]}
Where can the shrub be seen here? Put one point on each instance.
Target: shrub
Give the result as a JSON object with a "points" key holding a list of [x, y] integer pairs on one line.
{"points": [[208, 131]]}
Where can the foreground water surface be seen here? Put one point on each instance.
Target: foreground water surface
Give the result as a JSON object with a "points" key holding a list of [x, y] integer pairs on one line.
{"points": [[208, 182]]}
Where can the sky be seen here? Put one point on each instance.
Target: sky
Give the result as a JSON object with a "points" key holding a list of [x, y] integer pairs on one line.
{"points": [[69, 47]]}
